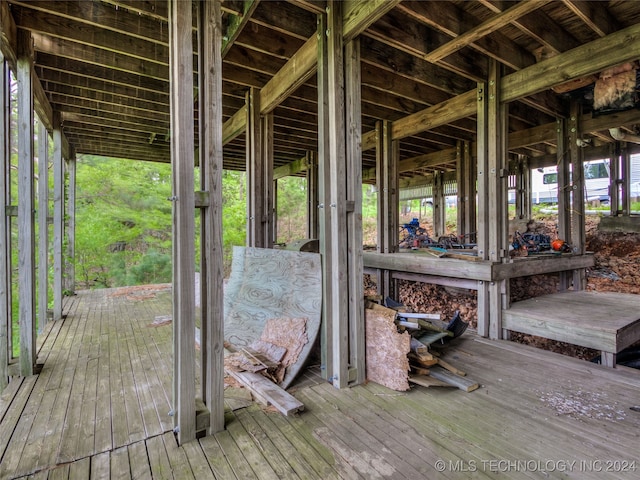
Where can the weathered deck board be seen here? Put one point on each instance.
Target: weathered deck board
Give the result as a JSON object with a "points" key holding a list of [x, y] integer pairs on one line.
{"points": [[362, 432], [139, 461]]}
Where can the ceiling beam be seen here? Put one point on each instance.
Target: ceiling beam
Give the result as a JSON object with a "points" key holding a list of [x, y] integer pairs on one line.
{"points": [[614, 49], [237, 24], [595, 15], [485, 28], [357, 15]]}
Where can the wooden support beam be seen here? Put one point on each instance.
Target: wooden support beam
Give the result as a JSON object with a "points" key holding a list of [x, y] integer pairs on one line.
{"points": [[326, 239], [335, 160], [387, 153], [353, 126], [593, 57], [237, 23], [358, 15], [268, 197], [311, 161], [461, 210], [446, 112], [70, 228], [497, 172], [484, 29], [26, 207], [300, 67], [595, 15], [5, 223], [211, 261], [439, 204], [58, 218], [182, 149], [293, 168], [43, 227], [255, 165], [234, 126], [578, 233], [471, 190]]}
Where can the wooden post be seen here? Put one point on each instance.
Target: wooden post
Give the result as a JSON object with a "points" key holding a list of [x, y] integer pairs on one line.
{"points": [[497, 189], [5, 224], [461, 210], [482, 237], [523, 188], [26, 206], [625, 163], [267, 207], [387, 153], [211, 270], [492, 211], [43, 226], [470, 218], [615, 207], [182, 151], [578, 233], [70, 228], [439, 205], [357, 371], [564, 194], [312, 195], [338, 199], [333, 168], [255, 171], [324, 195], [58, 218]]}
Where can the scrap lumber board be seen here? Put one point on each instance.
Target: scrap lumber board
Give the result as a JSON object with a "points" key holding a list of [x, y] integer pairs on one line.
{"points": [[428, 381], [462, 383], [267, 392]]}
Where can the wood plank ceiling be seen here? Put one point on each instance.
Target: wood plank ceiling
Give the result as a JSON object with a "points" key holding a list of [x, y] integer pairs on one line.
{"points": [[104, 66]]}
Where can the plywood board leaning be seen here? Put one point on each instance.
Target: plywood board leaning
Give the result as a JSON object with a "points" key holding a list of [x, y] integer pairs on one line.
{"points": [[272, 284]]}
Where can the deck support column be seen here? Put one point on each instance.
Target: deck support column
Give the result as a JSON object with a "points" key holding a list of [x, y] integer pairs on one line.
{"points": [[26, 207], [578, 233], [182, 151], [43, 226], [211, 254], [58, 218], [439, 205], [523, 188], [387, 153], [625, 166], [312, 194], [337, 156], [353, 102], [6, 311], [70, 228], [492, 205], [615, 180], [269, 185], [255, 166], [470, 199], [564, 195]]}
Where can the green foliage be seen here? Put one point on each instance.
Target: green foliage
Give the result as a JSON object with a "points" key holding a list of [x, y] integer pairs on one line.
{"points": [[292, 209], [123, 222], [234, 224]]}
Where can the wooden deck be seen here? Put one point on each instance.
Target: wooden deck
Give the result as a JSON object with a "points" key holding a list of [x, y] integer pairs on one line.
{"points": [[605, 321], [99, 410]]}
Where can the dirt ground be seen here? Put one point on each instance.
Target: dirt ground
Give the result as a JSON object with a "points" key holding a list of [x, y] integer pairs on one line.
{"points": [[617, 269]]}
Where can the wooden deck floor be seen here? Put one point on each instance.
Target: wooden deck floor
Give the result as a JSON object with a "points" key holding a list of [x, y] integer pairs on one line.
{"points": [[98, 410]]}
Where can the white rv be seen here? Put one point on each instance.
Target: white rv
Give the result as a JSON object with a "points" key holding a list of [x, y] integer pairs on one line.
{"points": [[544, 182]]}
